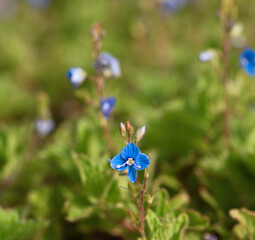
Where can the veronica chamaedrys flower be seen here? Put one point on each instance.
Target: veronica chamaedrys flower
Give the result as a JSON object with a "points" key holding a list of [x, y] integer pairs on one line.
{"points": [[44, 126], [76, 76], [206, 55], [247, 61], [107, 105], [132, 159], [108, 65]]}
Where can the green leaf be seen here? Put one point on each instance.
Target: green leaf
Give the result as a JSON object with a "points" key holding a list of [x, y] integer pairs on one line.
{"points": [[196, 220], [13, 228], [163, 229], [247, 219]]}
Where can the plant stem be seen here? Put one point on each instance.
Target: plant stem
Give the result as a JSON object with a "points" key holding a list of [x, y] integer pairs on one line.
{"points": [[97, 33], [226, 47], [141, 209]]}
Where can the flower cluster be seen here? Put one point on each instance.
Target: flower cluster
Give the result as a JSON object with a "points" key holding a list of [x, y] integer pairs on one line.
{"points": [[105, 65], [130, 159]]}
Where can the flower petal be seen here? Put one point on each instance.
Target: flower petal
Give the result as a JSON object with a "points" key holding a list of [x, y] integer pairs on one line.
{"points": [[132, 174], [130, 151], [142, 161], [118, 160]]}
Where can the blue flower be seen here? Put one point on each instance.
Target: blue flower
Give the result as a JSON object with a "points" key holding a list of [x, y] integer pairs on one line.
{"points": [[40, 4], [106, 106], [171, 6], [44, 126], [108, 65], [131, 159], [206, 56], [247, 61], [76, 76]]}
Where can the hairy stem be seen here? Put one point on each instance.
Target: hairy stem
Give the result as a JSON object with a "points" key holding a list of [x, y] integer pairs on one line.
{"points": [[141, 210]]}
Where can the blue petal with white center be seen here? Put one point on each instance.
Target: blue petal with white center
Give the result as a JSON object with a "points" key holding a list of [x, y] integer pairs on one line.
{"points": [[247, 61], [132, 159], [76, 76], [107, 105], [108, 65]]}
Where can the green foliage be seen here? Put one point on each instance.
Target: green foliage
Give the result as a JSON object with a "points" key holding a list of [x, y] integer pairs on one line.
{"points": [[64, 181], [245, 229], [12, 227]]}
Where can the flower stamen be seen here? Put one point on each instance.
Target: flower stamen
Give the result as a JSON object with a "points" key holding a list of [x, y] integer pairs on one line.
{"points": [[130, 161], [119, 166], [137, 166]]}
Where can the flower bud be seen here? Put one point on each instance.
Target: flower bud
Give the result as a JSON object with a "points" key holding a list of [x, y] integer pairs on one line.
{"points": [[122, 130], [140, 133], [132, 131], [128, 126]]}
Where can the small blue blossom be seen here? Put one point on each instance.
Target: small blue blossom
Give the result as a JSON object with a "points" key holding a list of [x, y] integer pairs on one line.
{"points": [[210, 236], [171, 6], [132, 159], [206, 56], [108, 65], [40, 4], [247, 61], [107, 105], [44, 126], [76, 76]]}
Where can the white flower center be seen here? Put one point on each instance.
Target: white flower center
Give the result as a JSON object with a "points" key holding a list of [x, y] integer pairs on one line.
{"points": [[130, 161]]}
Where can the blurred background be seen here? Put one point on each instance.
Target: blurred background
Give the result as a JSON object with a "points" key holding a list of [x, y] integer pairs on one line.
{"points": [[163, 86]]}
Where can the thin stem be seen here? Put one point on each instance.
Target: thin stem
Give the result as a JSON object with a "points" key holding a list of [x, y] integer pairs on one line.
{"points": [[96, 37], [141, 210], [107, 135], [226, 47]]}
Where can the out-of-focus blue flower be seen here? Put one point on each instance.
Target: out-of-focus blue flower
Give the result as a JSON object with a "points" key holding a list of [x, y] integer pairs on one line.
{"points": [[40, 4], [107, 105], [44, 126], [108, 65], [206, 56], [171, 6], [247, 61], [132, 159], [210, 236], [76, 76]]}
